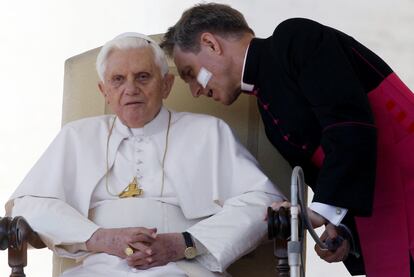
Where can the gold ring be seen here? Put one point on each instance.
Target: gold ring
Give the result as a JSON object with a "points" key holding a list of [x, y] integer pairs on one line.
{"points": [[128, 251]]}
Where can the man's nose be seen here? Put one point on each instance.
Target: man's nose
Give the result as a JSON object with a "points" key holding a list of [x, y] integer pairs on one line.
{"points": [[196, 89], [131, 87]]}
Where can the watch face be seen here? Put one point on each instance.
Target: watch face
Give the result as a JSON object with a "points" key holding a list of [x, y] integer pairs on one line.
{"points": [[190, 252]]}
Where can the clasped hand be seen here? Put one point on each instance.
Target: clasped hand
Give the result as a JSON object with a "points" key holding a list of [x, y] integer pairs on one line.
{"points": [[150, 249]]}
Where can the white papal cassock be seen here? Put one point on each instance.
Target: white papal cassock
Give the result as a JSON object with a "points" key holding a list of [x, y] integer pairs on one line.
{"points": [[213, 189]]}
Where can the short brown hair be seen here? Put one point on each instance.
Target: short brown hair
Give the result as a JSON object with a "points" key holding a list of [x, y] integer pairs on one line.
{"points": [[211, 17]]}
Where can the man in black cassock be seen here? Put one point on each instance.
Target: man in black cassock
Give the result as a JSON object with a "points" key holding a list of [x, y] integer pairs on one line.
{"points": [[328, 104]]}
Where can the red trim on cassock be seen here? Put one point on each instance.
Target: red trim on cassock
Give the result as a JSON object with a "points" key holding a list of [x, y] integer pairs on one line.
{"points": [[318, 157]]}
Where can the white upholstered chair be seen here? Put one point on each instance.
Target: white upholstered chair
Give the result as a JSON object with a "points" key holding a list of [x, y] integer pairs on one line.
{"points": [[82, 99]]}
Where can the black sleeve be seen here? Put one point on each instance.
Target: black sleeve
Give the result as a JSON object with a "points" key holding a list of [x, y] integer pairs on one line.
{"points": [[355, 265], [314, 55]]}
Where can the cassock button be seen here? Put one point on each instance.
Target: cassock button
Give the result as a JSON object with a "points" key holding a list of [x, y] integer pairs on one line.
{"points": [[338, 211], [390, 105], [401, 116], [286, 137], [266, 106], [411, 128], [275, 121]]}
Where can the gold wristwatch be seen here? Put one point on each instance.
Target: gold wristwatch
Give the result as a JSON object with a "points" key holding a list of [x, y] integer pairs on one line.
{"points": [[190, 251]]}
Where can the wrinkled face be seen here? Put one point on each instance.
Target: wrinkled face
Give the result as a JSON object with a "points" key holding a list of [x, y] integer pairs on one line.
{"points": [[221, 86], [133, 85]]}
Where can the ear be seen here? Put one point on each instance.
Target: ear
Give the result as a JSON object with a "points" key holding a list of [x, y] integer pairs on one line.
{"points": [[167, 85], [101, 87], [210, 42]]}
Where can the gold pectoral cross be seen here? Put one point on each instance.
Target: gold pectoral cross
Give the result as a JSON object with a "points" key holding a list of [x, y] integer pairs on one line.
{"points": [[133, 190]]}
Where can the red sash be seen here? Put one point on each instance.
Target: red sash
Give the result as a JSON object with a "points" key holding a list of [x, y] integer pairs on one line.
{"points": [[388, 235]]}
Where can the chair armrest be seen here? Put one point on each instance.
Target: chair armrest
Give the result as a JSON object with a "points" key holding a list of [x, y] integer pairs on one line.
{"points": [[278, 228], [15, 235]]}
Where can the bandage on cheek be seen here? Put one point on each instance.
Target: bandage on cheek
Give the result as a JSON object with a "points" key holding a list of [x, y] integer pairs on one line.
{"points": [[204, 77]]}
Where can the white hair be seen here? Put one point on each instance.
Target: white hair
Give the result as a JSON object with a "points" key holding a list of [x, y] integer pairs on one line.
{"points": [[130, 41]]}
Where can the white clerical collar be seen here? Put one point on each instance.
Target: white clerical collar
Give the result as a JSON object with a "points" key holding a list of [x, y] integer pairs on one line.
{"points": [[244, 86], [158, 124]]}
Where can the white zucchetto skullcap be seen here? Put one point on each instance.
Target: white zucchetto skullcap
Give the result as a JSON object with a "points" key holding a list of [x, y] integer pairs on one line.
{"points": [[134, 35]]}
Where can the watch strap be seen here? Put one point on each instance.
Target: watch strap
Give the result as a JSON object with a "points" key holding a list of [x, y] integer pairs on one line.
{"points": [[187, 239]]}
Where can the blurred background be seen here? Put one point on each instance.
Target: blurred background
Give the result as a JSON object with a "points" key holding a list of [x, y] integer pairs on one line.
{"points": [[37, 36]]}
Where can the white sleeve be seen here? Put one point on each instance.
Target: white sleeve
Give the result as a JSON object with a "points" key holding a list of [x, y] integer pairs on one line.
{"points": [[331, 213], [234, 231], [242, 190], [62, 228]]}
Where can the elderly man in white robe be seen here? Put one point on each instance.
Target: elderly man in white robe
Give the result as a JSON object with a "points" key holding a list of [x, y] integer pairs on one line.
{"points": [[149, 191]]}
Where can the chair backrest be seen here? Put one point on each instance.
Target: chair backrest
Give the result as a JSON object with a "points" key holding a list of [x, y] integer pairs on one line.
{"points": [[81, 99]]}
